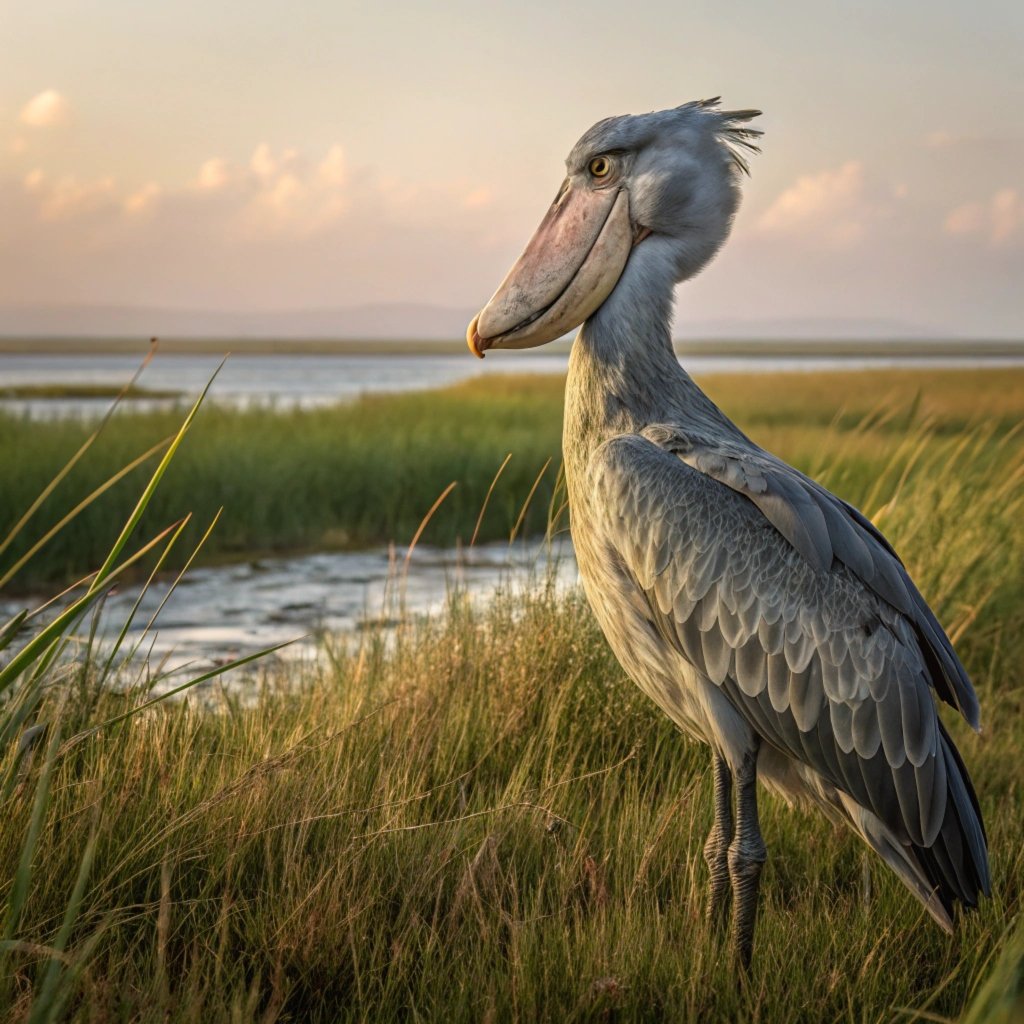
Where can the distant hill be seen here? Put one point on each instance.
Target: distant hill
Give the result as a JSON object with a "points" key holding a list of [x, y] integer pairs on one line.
{"points": [[380, 322]]}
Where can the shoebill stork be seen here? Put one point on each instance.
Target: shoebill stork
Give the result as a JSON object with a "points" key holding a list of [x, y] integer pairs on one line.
{"points": [[764, 615]]}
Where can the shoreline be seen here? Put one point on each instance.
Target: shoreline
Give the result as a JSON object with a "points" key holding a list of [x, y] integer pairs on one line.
{"points": [[910, 349]]}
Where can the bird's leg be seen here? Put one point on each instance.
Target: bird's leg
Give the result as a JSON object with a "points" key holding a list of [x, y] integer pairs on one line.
{"points": [[747, 855], [716, 849]]}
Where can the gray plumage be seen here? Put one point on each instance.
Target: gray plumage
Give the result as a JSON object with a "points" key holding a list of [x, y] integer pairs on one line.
{"points": [[766, 616]]}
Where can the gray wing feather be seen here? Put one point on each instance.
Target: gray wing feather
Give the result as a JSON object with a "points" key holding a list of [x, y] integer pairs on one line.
{"points": [[820, 663], [824, 529]]}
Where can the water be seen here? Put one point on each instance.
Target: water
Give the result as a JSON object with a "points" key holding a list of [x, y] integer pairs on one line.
{"points": [[313, 380], [286, 381], [225, 612]]}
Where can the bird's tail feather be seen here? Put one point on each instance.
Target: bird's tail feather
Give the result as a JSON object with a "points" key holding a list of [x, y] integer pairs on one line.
{"points": [[957, 862], [902, 860], [955, 867]]}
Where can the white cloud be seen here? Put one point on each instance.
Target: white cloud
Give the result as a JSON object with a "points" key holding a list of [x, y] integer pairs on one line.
{"points": [[333, 169], [832, 206], [46, 109], [278, 195], [1000, 219], [143, 200], [213, 174], [284, 193], [262, 162], [68, 196], [283, 204], [967, 219], [310, 231], [1007, 214]]}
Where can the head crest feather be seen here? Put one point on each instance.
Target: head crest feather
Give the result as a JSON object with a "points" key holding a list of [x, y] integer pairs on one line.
{"points": [[731, 129]]}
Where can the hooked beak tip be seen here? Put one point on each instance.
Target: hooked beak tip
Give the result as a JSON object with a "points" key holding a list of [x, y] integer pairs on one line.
{"points": [[473, 339]]}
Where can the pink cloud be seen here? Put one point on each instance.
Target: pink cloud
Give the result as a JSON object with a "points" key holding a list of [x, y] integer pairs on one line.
{"points": [[68, 197], [831, 206], [213, 174], [45, 110], [333, 169], [143, 200], [1000, 219], [310, 232]]}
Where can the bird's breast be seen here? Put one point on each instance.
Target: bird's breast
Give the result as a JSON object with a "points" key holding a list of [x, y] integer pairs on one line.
{"points": [[622, 612]]}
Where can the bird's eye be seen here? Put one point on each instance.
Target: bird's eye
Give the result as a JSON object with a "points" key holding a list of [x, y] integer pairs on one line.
{"points": [[600, 166]]}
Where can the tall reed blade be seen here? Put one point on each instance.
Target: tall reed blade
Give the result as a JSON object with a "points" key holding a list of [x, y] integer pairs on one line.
{"points": [[79, 508], [5, 542], [55, 629], [151, 487]]}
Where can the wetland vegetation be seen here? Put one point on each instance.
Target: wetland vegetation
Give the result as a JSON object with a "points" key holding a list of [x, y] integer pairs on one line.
{"points": [[479, 819], [364, 473]]}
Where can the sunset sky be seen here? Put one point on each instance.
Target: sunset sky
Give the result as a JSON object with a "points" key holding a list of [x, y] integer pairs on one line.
{"points": [[270, 156]]}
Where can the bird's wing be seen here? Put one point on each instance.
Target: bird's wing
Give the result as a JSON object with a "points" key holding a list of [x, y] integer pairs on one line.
{"points": [[824, 529], [816, 662]]}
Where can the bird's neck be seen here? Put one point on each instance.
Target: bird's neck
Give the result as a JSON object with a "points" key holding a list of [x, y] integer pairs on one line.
{"points": [[623, 370]]}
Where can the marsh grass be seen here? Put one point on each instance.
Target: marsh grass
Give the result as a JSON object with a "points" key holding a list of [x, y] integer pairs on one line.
{"points": [[39, 700], [481, 819], [365, 473]]}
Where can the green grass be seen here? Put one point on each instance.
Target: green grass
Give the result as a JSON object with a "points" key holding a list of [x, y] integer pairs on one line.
{"points": [[484, 820], [347, 476], [366, 473]]}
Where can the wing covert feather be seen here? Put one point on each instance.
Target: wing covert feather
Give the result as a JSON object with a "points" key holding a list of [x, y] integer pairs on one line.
{"points": [[824, 529], [819, 664]]}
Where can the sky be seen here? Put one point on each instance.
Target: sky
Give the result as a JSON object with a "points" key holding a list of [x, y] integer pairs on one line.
{"points": [[323, 153]]}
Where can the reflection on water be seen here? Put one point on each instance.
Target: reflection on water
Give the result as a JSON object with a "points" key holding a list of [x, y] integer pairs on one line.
{"points": [[228, 611], [304, 381]]}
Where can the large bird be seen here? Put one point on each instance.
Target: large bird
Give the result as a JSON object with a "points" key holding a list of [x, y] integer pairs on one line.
{"points": [[764, 615]]}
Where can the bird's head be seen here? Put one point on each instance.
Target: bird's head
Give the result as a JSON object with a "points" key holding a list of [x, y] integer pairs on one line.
{"points": [[658, 188]]}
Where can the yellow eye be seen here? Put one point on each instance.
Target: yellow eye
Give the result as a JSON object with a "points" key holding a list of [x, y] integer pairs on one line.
{"points": [[600, 166]]}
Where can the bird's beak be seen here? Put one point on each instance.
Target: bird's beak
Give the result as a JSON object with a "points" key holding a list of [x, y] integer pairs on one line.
{"points": [[566, 271]]}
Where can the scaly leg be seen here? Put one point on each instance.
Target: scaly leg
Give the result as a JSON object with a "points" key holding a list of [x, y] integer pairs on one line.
{"points": [[716, 849], [747, 855]]}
